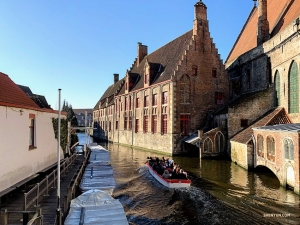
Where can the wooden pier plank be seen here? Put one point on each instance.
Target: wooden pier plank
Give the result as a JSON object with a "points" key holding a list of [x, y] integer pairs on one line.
{"points": [[47, 203]]}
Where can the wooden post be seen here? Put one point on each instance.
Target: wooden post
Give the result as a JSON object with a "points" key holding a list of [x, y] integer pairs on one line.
{"points": [[25, 217], [37, 195], [39, 216], [66, 204], [58, 217], [4, 217]]}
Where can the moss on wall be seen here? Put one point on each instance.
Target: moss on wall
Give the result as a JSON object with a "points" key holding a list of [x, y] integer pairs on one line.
{"points": [[63, 131]]}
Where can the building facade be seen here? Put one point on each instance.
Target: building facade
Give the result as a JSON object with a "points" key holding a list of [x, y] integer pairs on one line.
{"points": [[166, 95], [28, 143], [263, 67]]}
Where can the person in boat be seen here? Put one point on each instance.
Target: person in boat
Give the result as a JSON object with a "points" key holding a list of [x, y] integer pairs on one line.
{"points": [[166, 174], [182, 174]]}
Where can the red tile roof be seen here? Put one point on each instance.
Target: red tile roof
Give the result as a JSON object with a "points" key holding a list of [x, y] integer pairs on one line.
{"points": [[168, 57], [280, 14], [276, 116], [12, 95]]}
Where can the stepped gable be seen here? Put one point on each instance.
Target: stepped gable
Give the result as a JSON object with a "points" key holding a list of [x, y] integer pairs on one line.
{"points": [[12, 95], [280, 14], [113, 89], [276, 116], [167, 57]]}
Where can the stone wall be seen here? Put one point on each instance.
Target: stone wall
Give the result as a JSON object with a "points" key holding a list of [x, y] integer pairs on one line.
{"points": [[249, 109], [239, 154]]}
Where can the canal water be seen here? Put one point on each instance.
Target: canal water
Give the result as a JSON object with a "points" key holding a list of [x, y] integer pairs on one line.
{"points": [[221, 193]]}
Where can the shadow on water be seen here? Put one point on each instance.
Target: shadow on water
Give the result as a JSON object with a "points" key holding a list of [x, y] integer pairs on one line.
{"points": [[221, 193]]}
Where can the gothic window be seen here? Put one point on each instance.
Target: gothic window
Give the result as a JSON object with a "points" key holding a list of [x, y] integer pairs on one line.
{"points": [[154, 124], [184, 124], [219, 142], [207, 145], [145, 124], [146, 101], [165, 97], [136, 125], [288, 149], [185, 89], [154, 99], [271, 149], [164, 124], [293, 89], [260, 145], [277, 88]]}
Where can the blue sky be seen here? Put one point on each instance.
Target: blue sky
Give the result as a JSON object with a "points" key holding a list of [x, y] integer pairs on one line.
{"points": [[77, 45]]}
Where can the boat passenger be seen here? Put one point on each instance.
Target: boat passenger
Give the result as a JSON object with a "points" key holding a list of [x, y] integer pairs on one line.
{"points": [[166, 174], [182, 174]]}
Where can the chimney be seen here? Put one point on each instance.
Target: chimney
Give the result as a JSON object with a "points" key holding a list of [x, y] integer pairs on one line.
{"points": [[116, 78], [263, 23], [200, 16], [142, 52]]}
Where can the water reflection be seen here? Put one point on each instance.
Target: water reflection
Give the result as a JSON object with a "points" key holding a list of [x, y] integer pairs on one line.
{"points": [[82, 138], [248, 195]]}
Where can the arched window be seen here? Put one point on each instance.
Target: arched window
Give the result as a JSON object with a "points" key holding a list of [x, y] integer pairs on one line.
{"points": [[207, 145], [271, 149], [185, 89], [288, 149], [293, 89], [277, 88], [260, 145], [219, 142]]}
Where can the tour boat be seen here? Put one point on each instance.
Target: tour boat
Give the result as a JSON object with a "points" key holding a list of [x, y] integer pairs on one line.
{"points": [[170, 183]]}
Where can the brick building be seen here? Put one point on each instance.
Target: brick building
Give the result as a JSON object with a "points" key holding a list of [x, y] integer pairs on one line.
{"points": [[263, 67], [166, 95]]}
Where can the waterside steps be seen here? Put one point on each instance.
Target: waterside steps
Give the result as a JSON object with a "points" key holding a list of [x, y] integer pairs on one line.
{"points": [[96, 205]]}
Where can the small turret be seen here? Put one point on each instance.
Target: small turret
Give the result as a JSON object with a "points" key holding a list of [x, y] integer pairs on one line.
{"points": [[200, 16]]}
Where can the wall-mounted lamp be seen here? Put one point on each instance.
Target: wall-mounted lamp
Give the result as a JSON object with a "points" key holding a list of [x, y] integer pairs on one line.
{"points": [[21, 112]]}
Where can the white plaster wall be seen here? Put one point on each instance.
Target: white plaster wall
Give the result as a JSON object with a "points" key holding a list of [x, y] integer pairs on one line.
{"points": [[17, 161]]}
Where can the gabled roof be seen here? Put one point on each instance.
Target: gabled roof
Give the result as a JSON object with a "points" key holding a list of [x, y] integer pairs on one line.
{"points": [[12, 95], [280, 14], [276, 116], [293, 127], [165, 58], [110, 91]]}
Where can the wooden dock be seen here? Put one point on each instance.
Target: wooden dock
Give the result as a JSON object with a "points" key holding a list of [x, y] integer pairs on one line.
{"points": [[47, 205]]}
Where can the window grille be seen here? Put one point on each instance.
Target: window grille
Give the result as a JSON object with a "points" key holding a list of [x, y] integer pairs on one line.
{"points": [[293, 89]]}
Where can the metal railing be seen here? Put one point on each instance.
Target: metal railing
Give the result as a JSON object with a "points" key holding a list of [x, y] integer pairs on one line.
{"points": [[74, 184], [40, 190]]}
